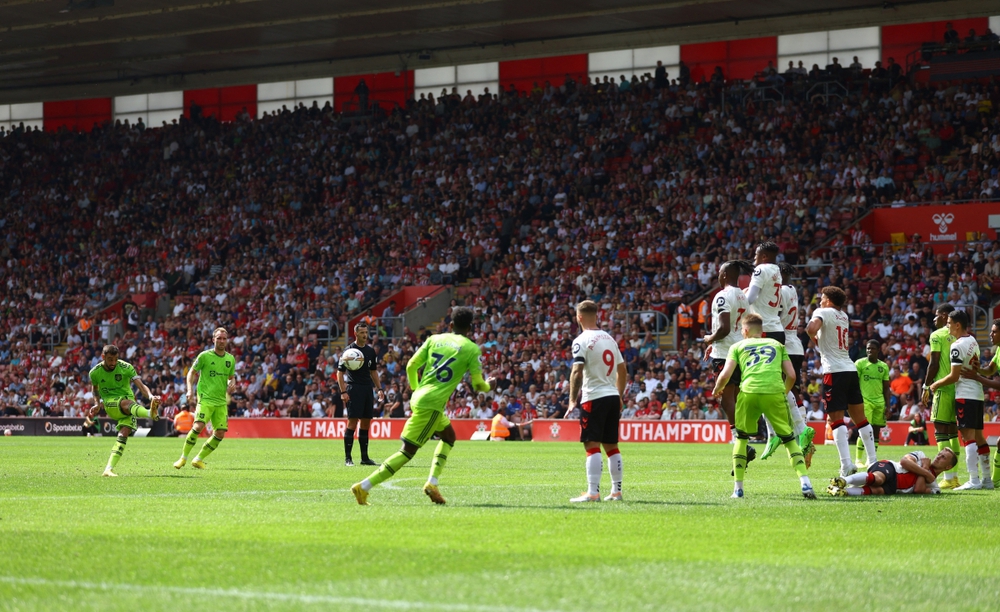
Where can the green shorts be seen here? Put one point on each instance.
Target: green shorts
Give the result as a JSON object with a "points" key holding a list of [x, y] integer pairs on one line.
{"points": [[750, 407], [423, 424], [875, 413], [943, 406], [113, 408], [215, 413]]}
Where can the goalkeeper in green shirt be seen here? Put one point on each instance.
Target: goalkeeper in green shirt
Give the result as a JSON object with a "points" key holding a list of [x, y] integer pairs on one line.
{"points": [[873, 374], [445, 359], [112, 380]]}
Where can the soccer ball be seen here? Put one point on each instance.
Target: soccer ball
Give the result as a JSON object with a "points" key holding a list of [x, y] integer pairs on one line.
{"points": [[352, 359], [8, 432]]}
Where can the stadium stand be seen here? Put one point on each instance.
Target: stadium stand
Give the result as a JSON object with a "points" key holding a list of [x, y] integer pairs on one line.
{"points": [[631, 194]]}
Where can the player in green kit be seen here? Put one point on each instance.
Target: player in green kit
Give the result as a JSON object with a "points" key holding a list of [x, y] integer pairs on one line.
{"points": [[943, 406], [112, 380], [216, 372], [445, 359], [984, 376], [873, 374], [762, 362]]}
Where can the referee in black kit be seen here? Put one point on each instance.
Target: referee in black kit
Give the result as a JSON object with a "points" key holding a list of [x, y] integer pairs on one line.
{"points": [[356, 391]]}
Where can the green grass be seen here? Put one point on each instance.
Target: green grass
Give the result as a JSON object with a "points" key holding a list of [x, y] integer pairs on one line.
{"points": [[271, 525]]}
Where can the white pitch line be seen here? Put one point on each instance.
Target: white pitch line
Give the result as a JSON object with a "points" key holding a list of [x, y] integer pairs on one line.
{"points": [[396, 604]]}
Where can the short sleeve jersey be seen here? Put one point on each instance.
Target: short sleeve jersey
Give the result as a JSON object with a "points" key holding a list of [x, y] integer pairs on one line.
{"points": [[790, 320], [733, 301], [941, 340], [833, 341], [760, 362], [767, 277], [599, 354], [872, 375], [905, 481], [446, 359], [363, 375], [116, 384], [213, 375], [962, 352]]}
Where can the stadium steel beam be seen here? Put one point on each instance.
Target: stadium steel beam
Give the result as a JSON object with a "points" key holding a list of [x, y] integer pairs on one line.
{"points": [[482, 52]]}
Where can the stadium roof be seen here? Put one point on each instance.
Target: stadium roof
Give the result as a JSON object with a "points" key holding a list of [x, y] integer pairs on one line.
{"points": [[53, 49]]}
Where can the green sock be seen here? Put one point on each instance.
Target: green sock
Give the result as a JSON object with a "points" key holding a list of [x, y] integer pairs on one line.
{"points": [[139, 410], [189, 442], [795, 457], [210, 445], [440, 458], [860, 448], [389, 467], [955, 445], [116, 451], [995, 475], [739, 459]]}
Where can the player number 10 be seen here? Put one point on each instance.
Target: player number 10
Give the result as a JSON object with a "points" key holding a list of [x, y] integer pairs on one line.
{"points": [[842, 341]]}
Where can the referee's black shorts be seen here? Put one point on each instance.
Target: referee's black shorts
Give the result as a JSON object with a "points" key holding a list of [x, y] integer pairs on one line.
{"points": [[361, 404]]}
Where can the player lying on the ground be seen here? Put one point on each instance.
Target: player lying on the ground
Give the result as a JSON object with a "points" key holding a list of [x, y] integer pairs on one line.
{"points": [[914, 473]]}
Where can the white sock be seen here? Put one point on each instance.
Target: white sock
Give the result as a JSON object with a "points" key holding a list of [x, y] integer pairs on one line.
{"points": [[867, 434], [843, 448], [857, 480], [737, 486], [593, 474], [432, 480], [855, 491], [770, 430], [366, 485], [732, 437], [984, 465], [805, 481], [972, 461], [615, 469], [798, 419]]}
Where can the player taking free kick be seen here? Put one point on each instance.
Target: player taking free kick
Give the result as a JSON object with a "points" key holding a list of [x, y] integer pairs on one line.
{"points": [[112, 380], [445, 359]]}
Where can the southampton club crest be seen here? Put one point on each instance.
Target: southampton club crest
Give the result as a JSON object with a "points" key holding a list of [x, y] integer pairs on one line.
{"points": [[554, 430], [481, 426]]}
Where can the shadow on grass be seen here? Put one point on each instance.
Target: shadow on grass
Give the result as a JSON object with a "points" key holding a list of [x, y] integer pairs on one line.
{"points": [[572, 506]]}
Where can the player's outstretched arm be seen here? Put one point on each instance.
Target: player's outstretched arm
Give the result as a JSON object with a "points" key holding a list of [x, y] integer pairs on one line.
{"points": [[972, 374], [575, 386], [93, 410], [142, 387], [950, 379], [192, 379]]}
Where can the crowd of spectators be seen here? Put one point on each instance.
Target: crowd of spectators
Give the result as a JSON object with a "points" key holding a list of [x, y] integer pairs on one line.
{"points": [[629, 196]]}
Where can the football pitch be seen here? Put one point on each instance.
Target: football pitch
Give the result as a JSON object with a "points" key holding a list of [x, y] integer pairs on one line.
{"points": [[272, 525]]}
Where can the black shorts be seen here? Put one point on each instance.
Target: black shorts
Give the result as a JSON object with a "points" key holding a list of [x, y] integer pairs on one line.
{"points": [[797, 361], [735, 379], [599, 419], [361, 404], [778, 335], [840, 390], [889, 470], [969, 413]]}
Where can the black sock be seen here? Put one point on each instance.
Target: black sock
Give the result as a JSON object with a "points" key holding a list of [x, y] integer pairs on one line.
{"points": [[363, 441], [348, 442]]}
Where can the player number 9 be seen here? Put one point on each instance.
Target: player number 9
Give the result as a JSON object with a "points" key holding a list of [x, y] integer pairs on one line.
{"points": [[609, 360]]}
